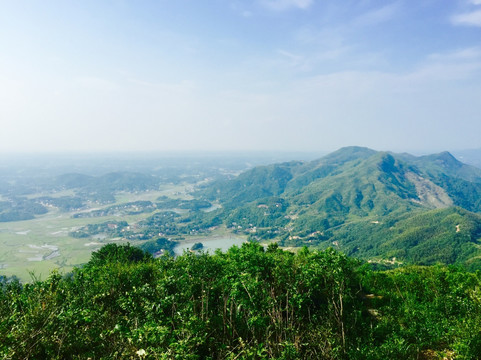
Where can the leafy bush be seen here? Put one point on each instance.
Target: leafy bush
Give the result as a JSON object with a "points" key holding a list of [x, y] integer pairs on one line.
{"points": [[249, 302]]}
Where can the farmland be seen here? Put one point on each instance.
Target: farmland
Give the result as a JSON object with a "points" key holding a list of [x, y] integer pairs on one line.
{"points": [[35, 247]]}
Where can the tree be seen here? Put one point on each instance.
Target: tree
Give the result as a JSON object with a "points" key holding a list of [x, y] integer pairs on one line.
{"points": [[113, 253]]}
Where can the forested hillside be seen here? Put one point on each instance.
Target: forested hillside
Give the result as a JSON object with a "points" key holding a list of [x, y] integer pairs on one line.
{"points": [[248, 303], [374, 205]]}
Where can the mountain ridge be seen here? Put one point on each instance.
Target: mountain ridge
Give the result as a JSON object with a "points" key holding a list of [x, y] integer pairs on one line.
{"points": [[289, 202]]}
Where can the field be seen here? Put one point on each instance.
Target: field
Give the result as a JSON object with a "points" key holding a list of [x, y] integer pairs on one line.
{"points": [[33, 248]]}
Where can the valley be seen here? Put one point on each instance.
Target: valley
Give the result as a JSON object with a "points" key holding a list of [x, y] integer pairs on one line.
{"points": [[385, 208], [54, 220], [45, 243]]}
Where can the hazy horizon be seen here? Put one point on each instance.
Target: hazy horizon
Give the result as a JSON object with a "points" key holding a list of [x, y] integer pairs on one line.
{"points": [[303, 76], [216, 153]]}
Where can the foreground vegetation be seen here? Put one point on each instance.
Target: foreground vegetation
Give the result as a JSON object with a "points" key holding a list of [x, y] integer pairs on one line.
{"points": [[249, 302]]}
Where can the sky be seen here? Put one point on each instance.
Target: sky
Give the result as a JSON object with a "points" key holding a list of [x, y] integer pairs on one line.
{"points": [[239, 75]]}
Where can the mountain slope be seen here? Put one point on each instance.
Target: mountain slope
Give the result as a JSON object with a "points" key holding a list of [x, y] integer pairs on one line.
{"points": [[367, 203], [259, 182], [449, 235]]}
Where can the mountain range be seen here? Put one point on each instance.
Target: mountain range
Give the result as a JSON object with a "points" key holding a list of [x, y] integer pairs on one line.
{"points": [[380, 206]]}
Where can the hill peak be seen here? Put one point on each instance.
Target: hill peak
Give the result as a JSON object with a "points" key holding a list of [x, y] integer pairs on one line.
{"points": [[445, 159], [447, 156], [356, 150], [349, 153]]}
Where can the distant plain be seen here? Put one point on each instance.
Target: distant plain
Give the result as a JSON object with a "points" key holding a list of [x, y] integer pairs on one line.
{"points": [[21, 242]]}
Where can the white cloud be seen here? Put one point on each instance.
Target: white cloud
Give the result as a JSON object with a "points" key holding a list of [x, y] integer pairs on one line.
{"points": [[239, 7], [421, 109], [377, 16], [475, 2], [460, 65], [470, 53], [293, 58], [280, 5], [468, 19]]}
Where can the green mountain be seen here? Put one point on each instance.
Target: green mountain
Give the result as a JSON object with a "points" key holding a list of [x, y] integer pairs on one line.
{"points": [[370, 204]]}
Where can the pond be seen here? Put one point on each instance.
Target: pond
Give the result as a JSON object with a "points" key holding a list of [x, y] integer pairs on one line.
{"points": [[210, 243]]}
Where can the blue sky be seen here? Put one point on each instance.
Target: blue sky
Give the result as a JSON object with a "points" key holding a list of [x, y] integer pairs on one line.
{"points": [[295, 75]]}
